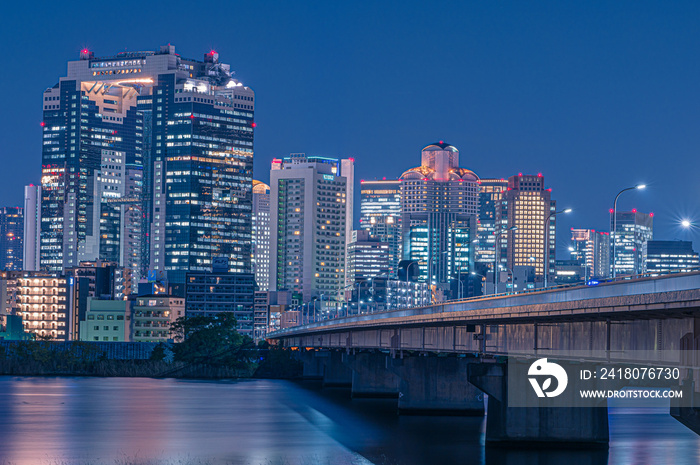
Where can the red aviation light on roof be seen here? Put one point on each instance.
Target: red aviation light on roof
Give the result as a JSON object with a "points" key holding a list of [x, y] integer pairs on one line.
{"points": [[611, 210], [520, 174], [549, 190], [383, 179], [634, 210], [253, 124], [42, 124], [539, 175], [351, 159], [441, 142], [651, 214]]}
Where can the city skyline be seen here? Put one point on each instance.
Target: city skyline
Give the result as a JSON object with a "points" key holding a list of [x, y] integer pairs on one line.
{"points": [[582, 107]]}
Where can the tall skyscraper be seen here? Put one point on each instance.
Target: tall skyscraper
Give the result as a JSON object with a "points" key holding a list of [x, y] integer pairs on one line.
{"points": [[591, 248], [261, 235], [308, 226], [634, 229], [11, 238], [438, 216], [490, 192], [525, 205], [32, 227], [147, 162]]}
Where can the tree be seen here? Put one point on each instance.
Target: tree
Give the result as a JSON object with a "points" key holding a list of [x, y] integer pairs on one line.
{"points": [[212, 340]]}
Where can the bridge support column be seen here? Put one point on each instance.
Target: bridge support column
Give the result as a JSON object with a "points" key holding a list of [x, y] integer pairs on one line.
{"points": [[371, 377], [313, 364], [527, 426], [336, 373], [436, 386]]}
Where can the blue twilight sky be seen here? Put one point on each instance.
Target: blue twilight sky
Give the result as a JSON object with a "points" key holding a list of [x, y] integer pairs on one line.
{"points": [[597, 96]]}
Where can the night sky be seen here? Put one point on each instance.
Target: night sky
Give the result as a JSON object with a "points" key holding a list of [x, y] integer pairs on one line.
{"points": [[597, 97]]}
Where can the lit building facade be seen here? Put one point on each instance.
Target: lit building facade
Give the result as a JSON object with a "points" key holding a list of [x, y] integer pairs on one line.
{"points": [[379, 199], [490, 192], [380, 210], [525, 205], [261, 234], [367, 256], [209, 294], [308, 226], [634, 229], [670, 257], [43, 304], [11, 238], [439, 205], [147, 162], [591, 248]]}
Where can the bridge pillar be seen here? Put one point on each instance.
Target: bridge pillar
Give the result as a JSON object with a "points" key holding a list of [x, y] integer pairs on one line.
{"points": [[436, 386], [335, 372], [527, 426], [313, 363], [370, 375]]}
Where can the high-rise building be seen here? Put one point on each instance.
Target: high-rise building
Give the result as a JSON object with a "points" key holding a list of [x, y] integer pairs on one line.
{"points": [[634, 229], [11, 238], [147, 162], [32, 227], [591, 249], [438, 216], [526, 205], [670, 256], [379, 199], [308, 226], [368, 256], [490, 192], [380, 210], [261, 234]]}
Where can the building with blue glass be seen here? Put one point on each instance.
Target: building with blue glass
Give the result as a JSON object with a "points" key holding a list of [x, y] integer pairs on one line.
{"points": [[147, 162]]}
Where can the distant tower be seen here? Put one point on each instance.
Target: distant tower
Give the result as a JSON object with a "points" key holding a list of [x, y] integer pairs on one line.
{"points": [[526, 204], [634, 229], [592, 249], [438, 216], [32, 227], [490, 193], [261, 234], [11, 238]]}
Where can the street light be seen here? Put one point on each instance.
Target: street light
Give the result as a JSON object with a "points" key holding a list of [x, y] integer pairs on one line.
{"points": [[546, 242], [495, 255], [614, 231], [686, 223]]}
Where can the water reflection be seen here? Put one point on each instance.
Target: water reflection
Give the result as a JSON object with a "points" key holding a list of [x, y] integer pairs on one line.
{"points": [[120, 421]]}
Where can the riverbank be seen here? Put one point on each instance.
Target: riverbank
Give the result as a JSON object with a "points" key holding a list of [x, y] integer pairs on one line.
{"points": [[40, 358]]}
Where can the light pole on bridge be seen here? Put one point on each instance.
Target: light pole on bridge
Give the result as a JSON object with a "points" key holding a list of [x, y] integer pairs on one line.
{"points": [[614, 231]]}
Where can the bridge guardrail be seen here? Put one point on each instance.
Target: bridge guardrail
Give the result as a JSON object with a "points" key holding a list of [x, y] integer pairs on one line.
{"points": [[440, 307]]}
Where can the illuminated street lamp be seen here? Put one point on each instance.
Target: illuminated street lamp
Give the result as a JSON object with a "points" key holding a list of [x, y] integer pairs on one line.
{"points": [[614, 231]]}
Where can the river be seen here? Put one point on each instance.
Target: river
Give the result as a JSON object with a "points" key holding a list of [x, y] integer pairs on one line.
{"points": [[124, 421]]}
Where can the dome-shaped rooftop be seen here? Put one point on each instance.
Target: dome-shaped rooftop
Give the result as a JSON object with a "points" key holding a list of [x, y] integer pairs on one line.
{"points": [[440, 145]]}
